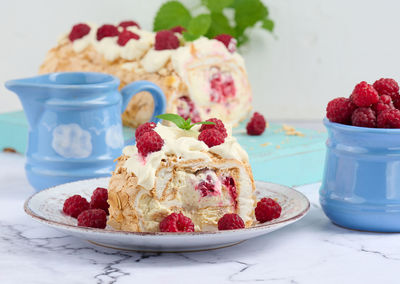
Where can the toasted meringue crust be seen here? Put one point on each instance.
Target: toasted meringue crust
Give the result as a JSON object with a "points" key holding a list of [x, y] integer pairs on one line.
{"points": [[142, 192]]}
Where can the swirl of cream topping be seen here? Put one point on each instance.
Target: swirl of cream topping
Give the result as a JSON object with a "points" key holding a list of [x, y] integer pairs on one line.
{"points": [[184, 145]]}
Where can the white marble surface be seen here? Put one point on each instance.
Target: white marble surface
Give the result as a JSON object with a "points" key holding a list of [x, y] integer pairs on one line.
{"points": [[312, 250]]}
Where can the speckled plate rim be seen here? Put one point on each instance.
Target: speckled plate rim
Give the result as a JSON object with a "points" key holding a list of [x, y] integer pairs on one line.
{"points": [[257, 227]]}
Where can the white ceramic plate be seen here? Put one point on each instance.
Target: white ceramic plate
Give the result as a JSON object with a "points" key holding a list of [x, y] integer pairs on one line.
{"points": [[46, 207]]}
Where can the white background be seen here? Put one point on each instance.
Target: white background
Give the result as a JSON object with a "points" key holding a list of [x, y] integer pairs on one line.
{"points": [[321, 48]]}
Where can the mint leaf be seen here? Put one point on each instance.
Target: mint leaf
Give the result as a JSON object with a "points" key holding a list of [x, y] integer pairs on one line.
{"points": [[268, 25], [198, 26], [177, 119], [247, 14], [180, 121], [171, 14], [216, 5], [219, 25]]}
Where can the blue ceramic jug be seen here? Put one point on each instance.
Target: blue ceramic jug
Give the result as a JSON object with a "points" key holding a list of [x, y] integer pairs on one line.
{"points": [[75, 128]]}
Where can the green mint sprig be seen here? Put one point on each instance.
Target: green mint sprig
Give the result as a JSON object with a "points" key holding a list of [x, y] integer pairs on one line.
{"points": [[180, 121], [246, 14]]}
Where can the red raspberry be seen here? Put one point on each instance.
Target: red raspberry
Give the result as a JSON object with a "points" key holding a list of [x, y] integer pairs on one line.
{"points": [[218, 125], [364, 117], [143, 128], [230, 221], [106, 31], [386, 86], [94, 218], [212, 137], [99, 199], [178, 29], [166, 40], [228, 40], [396, 101], [125, 36], [340, 110], [74, 205], [384, 103], [389, 119], [267, 209], [176, 222], [149, 142], [126, 24], [78, 31], [256, 125], [364, 95]]}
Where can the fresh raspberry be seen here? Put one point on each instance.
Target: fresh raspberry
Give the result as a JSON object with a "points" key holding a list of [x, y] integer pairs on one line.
{"points": [[256, 125], [74, 205], [228, 40], [99, 199], [125, 36], [230, 221], [176, 222], [267, 209], [126, 24], [212, 137], [389, 119], [78, 31], [106, 31], [364, 95], [364, 117], [340, 110], [166, 40], [149, 142], [218, 125], [384, 103], [143, 128], [178, 29], [396, 101], [94, 218], [386, 86]]}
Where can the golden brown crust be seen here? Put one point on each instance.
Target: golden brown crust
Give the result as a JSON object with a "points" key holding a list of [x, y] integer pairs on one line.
{"points": [[126, 196]]}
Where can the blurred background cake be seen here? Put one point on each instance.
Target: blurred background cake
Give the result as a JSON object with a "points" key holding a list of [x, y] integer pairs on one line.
{"points": [[201, 78]]}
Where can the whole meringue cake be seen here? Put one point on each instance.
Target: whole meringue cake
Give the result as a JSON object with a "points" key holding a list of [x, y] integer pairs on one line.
{"points": [[185, 176]]}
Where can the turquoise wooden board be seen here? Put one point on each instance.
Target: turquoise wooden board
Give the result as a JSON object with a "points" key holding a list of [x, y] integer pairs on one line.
{"points": [[274, 156]]}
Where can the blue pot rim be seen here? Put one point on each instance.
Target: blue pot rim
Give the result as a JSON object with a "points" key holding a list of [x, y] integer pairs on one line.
{"points": [[357, 129], [107, 82]]}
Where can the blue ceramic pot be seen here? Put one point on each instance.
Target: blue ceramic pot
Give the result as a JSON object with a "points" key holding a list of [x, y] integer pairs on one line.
{"points": [[75, 128], [361, 183]]}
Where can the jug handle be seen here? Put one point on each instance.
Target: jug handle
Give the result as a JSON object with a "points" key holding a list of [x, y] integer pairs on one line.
{"points": [[160, 103]]}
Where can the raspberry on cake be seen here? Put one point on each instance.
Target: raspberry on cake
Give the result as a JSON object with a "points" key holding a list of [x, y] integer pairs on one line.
{"points": [[185, 176], [200, 79]]}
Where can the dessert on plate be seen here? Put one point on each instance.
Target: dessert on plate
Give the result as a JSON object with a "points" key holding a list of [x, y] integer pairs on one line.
{"points": [[201, 78], [198, 172]]}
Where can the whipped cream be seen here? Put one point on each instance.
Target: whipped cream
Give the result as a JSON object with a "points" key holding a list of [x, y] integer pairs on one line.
{"points": [[153, 60], [184, 145]]}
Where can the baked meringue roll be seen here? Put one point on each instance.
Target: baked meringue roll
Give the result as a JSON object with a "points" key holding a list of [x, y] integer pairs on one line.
{"points": [[184, 176], [200, 79]]}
